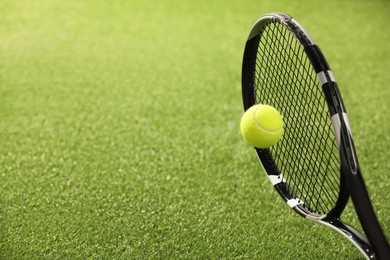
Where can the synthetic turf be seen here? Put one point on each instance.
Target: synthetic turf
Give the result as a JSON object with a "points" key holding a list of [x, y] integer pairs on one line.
{"points": [[119, 129]]}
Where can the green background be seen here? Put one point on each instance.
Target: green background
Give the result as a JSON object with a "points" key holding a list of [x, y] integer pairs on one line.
{"points": [[119, 129]]}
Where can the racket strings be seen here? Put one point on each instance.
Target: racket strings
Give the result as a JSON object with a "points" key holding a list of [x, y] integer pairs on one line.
{"points": [[307, 155]]}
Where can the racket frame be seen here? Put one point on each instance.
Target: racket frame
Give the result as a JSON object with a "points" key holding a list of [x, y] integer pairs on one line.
{"points": [[351, 181]]}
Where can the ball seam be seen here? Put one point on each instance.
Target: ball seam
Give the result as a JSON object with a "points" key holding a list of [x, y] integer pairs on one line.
{"points": [[261, 127]]}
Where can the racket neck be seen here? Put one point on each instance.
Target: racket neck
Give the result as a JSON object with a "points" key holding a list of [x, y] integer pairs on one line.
{"points": [[360, 197]]}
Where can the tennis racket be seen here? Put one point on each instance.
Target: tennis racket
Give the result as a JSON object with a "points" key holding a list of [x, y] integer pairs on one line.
{"points": [[314, 166]]}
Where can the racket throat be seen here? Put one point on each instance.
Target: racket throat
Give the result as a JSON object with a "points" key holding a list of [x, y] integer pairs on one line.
{"points": [[353, 235]]}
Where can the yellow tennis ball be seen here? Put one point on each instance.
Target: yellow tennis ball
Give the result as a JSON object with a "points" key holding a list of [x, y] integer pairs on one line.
{"points": [[262, 126]]}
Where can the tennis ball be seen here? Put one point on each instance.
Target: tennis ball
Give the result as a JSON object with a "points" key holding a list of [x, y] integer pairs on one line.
{"points": [[262, 126]]}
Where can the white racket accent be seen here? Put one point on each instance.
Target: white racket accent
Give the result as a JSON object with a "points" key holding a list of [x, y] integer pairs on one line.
{"points": [[276, 179], [331, 76], [323, 79], [294, 202], [336, 126]]}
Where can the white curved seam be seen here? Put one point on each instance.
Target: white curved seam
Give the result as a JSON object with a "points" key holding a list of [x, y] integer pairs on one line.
{"points": [[262, 128]]}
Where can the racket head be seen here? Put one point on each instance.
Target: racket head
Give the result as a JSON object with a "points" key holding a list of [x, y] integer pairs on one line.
{"points": [[314, 167], [283, 67]]}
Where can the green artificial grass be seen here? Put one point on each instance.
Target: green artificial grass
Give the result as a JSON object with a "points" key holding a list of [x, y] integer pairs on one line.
{"points": [[119, 129]]}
